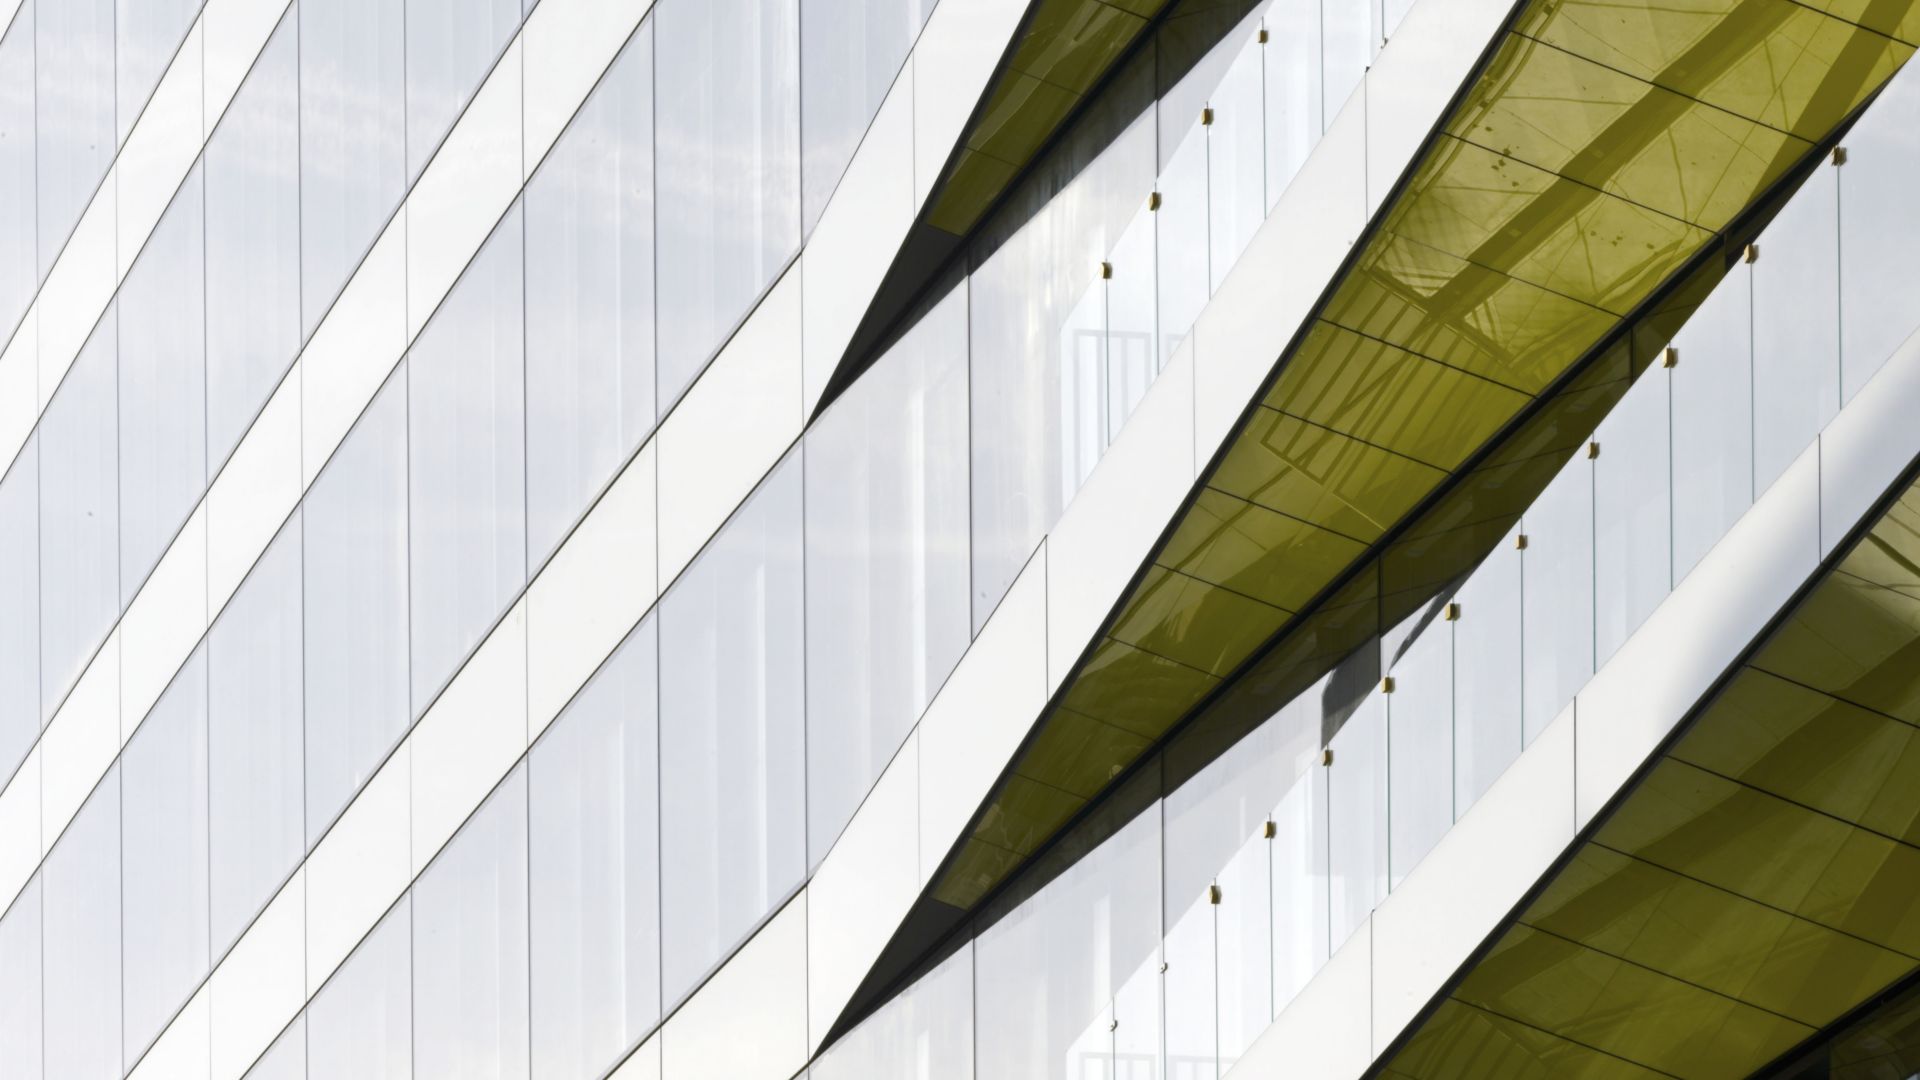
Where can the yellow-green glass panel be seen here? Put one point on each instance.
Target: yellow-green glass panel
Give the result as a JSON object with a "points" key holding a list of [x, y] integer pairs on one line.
{"points": [[1025, 813], [1080, 754], [1461, 1042], [1071, 43], [1895, 18], [1255, 551], [1392, 398], [976, 181], [1319, 475], [1854, 640], [1136, 690], [1021, 114], [1889, 554], [1195, 623], [977, 868]]}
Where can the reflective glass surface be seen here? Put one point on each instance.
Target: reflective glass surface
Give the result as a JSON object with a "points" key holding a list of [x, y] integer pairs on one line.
{"points": [[18, 218], [1796, 327], [79, 515], [1557, 610], [73, 113], [1420, 742], [19, 609], [80, 942], [360, 1025], [850, 53], [1712, 388], [1877, 213], [451, 44], [1632, 514], [146, 33], [20, 974]]}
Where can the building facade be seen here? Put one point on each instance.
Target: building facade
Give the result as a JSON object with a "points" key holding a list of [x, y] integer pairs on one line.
{"points": [[958, 539]]}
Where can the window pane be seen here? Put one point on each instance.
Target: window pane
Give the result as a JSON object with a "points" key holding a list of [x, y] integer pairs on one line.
{"points": [[19, 608], [451, 45], [1558, 600], [1712, 388], [1182, 240], [286, 1059], [1487, 731], [163, 778], [470, 946], [732, 733], [1632, 516], [1293, 75], [594, 786], [850, 52], [1243, 923], [590, 298], [355, 546], [1878, 220], [1357, 817], [1192, 992], [18, 278], [253, 242], [1348, 41], [253, 722], [1236, 162], [886, 561], [1796, 326], [1420, 749], [147, 33], [728, 144], [20, 984], [1133, 355], [79, 533], [360, 1025], [1300, 930], [466, 423], [163, 388], [81, 984], [924, 1033], [352, 138], [74, 130]]}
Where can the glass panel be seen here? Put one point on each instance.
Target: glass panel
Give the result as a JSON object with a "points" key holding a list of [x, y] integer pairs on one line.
{"points": [[147, 33], [451, 45], [728, 146], [253, 242], [18, 277], [253, 722], [81, 938], [1300, 884], [73, 128], [1878, 220], [1133, 352], [1357, 818], [1236, 162], [1712, 388], [590, 298], [850, 52], [163, 388], [1557, 605], [466, 425], [1192, 1039], [355, 545], [886, 561], [1348, 41], [1182, 241], [352, 138], [924, 1033], [1420, 749], [1632, 513], [286, 1059], [1138, 1048], [163, 778], [732, 733], [1796, 326], [20, 984], [19, 608], [470, 946], [595, 822], [79, 535], [360, 1025], [1293, 78], [1243, 922], [1487, 729]]}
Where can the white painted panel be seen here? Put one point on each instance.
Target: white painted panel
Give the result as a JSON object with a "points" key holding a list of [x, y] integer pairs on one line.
{"points": [[80, 743], [20, 848], [1272, 289], [468, 185], [862, 890], [354, 349], [1695, 634], [19, 381], [470, 737], [987, 706], [260, 986], [958, 50], [164, 622], [1869, 444], [1417, 73], [236, 31], [360, 868], [253, 495], [1324, 1032], [644, 1064], [77, 290], [568, 45], [185, 1050], [160, 149], [8, 9], [1466, 885], [731, 427], [592, 592], [749, 1022], [1110, 527], [859, 234]]}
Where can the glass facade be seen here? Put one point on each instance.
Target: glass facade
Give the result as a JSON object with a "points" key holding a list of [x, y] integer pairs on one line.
{"points": [[658, 830]]}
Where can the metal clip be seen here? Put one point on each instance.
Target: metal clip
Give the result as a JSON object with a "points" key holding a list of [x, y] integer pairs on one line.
{"points": [[1452, 613], [1670, 357], [1593, 450]]}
